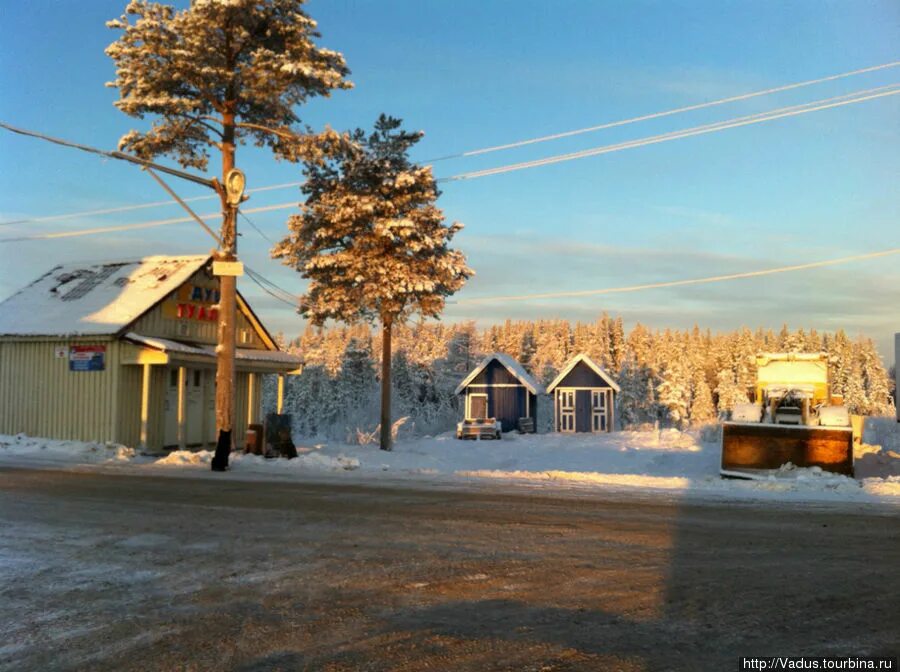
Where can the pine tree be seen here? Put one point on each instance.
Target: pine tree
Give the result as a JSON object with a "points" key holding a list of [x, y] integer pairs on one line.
{"points": [[702, 409], [372, 242], [212, 76], [220, 73]]}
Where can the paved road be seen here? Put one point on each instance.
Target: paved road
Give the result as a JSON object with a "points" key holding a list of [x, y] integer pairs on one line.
{"points": [[113, 572]]}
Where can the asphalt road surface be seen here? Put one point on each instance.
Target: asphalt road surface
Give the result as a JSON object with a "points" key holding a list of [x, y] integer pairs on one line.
{"points": [[114, 572]]}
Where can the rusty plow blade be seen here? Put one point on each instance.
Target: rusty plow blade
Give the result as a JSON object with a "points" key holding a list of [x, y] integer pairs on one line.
{"points": [[753, 450]]}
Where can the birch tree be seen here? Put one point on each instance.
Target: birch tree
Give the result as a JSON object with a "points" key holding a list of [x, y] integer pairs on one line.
{"points": [[372, 242]]}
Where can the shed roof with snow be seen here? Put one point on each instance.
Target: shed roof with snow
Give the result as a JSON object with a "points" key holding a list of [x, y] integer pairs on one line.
{"points": [[584, 360], [511, 365]]}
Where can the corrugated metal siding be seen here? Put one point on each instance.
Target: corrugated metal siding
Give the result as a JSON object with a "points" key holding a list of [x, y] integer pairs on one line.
{"points": [[129, 396], [40, 396], [158, 322], [156, 421], [241, 405]]}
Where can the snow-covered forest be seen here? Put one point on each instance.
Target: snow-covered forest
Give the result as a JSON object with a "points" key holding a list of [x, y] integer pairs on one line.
{"points": [[678, 378]]}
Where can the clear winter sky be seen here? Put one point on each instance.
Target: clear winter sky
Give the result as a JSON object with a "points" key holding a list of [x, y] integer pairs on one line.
{"points": [[471, 74]]}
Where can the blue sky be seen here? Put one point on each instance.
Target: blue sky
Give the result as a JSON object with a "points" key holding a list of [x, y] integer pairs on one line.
{"points": [[474, 74]]}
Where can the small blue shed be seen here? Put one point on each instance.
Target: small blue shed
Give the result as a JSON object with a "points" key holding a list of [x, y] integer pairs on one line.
{"points": [[584, 397], [499, 387]]}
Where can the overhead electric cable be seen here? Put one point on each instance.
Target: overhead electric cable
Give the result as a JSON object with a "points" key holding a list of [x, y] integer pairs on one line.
{"points": [[475, 152], [120, 156], [676, 135], [131, 227], [255, 227], [794, 110], [681, 283], [272, 289], [667, 113]]}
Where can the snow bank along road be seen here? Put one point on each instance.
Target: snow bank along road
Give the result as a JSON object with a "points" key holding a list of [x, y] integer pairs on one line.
{"points": [[666, 462], [109, 571]]}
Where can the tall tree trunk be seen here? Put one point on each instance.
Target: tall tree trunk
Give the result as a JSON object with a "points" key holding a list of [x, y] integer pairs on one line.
{"points": [[386, 326], [225, 350]]}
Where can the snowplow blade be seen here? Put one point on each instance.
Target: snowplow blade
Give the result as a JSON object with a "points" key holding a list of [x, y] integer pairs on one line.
{"points": [[749, 448]]}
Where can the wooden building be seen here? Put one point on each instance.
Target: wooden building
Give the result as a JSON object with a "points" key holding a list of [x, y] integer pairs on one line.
{"points": [[584, 397], [125, 351], [499, 387]]}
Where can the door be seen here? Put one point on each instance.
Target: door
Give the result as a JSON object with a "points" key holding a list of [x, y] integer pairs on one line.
{"points": [[210, 403], [170, 436], [194, 407], [599, 411], [566, 401], [478, 406]]}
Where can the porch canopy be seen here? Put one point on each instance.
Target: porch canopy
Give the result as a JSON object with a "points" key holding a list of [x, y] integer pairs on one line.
{"points": [[157, 350]]}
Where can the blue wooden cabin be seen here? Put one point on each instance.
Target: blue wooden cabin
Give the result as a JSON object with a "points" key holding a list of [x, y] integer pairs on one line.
{"points": [[584, 397], [499, 387]]}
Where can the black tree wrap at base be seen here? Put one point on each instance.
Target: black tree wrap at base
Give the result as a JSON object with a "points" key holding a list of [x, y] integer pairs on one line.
{"points": [[223, 449]]}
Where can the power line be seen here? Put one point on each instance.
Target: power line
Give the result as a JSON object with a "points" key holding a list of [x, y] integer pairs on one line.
{"points": [[255, 227], [272, 289], [676, 135], [794, 110], [120, 156], [475, 152], [666, 113], [140, 206], [681, 283], [132, 227]]}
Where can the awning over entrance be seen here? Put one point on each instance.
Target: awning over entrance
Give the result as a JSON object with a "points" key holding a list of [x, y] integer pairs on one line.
{"points": [[166, 351]]}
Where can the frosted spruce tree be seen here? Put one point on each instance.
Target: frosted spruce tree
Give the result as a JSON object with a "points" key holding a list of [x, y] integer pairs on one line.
{"points": [[372, 242], [212, 76]]}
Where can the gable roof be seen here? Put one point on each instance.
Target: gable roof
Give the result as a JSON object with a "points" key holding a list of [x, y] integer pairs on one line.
{"points": [[511, 365], [590, 362], [94, 299]]}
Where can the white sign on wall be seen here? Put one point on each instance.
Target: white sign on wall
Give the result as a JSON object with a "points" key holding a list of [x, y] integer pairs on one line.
{"points": [[61, 352]]}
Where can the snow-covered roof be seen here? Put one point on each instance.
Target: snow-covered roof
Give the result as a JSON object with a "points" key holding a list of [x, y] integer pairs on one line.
{"points": [[511, 365], [590, 362], [209, 351], [94, 299]]}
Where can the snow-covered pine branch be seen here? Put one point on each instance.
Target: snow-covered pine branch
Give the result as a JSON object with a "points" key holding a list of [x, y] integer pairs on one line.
{"points": [[244, 63]]}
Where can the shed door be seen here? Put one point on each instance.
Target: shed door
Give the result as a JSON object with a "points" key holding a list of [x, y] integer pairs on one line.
{"points": [[566, 410], [478, 406], [582, 411], [599, 411]]}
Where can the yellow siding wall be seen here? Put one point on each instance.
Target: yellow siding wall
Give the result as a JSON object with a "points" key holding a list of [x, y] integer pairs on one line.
{"points": [[162, 322], [41, 397], [129, 420], [244, 410]]}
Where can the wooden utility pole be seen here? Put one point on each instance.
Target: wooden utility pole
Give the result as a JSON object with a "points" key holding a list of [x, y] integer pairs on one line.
{"points": [[231, 194], [387, 322]]}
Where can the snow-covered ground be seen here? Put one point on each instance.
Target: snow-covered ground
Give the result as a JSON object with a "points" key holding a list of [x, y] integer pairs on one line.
{"points": [[680, 463]]}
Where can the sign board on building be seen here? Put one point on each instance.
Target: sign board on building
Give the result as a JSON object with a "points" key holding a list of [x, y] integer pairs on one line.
{"points": [[61, 352], [235, 268], [87, 358]]}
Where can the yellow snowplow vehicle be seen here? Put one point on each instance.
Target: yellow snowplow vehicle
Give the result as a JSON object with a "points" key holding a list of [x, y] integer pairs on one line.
{"points": [[793, 418]]}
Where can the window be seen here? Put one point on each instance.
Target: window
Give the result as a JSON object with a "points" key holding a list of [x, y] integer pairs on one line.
{"points": [[478, 406], [196, 378], [567, 399], [173, 377], [598, 400]]}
